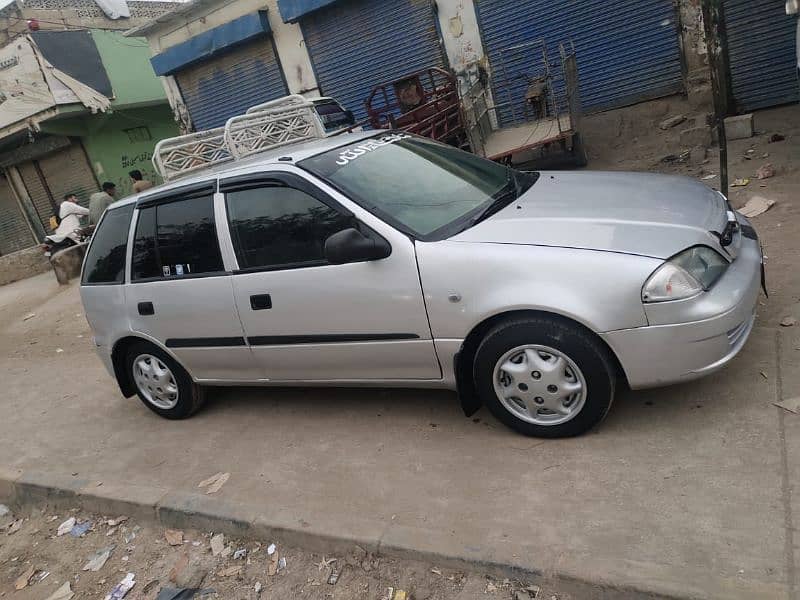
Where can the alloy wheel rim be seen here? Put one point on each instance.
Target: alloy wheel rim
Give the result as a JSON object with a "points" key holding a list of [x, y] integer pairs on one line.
{"points": [[155, 381], [540, 385]]}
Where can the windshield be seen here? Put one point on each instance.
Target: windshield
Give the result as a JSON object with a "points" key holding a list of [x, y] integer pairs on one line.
{"points": [[425, 188]]}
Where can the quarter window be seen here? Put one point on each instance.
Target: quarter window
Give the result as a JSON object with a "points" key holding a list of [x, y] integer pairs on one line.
{"points": [[176, 239], [105, 262], [281, 227]]}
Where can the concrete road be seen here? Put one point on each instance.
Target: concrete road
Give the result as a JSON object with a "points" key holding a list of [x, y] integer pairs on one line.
{"points": [[685, 491]]}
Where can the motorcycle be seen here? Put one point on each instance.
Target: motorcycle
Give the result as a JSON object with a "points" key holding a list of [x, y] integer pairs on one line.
{"points": [[78, 236]]}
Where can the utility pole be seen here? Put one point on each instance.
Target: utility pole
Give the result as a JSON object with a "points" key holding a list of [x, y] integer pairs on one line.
{"points": [[717, 43]]}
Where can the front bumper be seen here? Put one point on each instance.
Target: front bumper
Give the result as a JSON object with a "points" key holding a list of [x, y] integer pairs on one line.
{"points": [[674, 352]]}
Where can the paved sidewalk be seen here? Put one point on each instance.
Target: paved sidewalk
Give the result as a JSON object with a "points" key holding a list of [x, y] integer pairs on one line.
{"points": [[681, 491]]}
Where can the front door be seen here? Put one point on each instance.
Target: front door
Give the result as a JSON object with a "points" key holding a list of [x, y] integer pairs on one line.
{"points": [[180, 292], [306, 319]]}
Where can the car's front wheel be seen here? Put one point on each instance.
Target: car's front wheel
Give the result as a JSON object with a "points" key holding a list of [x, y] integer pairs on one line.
{"points": [[544, 377], [161, 383]]}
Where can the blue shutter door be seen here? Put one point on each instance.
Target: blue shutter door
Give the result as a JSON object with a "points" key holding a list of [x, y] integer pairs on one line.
{"points": [[222, 87], [761, 53], [358, 44], [627, 50]]}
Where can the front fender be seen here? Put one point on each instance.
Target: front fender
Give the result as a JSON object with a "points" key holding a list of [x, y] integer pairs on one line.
{"points": [[467, 283]]}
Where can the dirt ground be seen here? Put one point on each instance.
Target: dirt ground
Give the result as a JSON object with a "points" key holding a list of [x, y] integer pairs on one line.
{"points": [[32, 551]]}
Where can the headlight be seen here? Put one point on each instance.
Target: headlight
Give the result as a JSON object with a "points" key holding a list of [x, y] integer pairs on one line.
{"points": [[685, 275]]}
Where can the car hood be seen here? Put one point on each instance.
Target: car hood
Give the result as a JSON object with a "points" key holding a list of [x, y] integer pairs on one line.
{"points": [[634, 213]]}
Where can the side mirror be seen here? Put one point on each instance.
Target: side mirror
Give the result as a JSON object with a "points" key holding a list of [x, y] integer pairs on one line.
{"points": [[350, 245], [350, 117]]}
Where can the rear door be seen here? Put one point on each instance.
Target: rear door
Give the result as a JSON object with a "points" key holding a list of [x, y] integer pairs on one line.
{"points": [[180, 291], [306, 319]]}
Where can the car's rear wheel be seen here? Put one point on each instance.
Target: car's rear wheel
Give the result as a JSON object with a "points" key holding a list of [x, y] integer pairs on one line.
{"points": [[544, 377], [161, 383]]}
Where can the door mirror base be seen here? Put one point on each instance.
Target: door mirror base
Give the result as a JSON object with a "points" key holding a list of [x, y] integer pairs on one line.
{"points": [[350, 245]]}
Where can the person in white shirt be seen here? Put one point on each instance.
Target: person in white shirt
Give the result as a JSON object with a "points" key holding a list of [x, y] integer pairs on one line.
{"points": [[69, 213]]}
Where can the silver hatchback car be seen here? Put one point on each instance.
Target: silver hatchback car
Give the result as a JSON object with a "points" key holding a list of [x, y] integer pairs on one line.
{"points": [[385, 259]]}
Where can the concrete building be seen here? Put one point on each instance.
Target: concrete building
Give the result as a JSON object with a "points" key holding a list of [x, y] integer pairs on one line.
{"points": [[79, 107], [72, 14], [627, 51], [218, 57]]}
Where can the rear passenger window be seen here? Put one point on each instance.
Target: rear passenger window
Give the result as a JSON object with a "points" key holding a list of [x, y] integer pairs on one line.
{"points": [[145, 260], [176, 239], [281, 227], [105, 261]]}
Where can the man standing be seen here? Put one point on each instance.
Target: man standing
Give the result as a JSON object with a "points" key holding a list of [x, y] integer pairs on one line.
{"points": [[140, 184], [99, 202]]}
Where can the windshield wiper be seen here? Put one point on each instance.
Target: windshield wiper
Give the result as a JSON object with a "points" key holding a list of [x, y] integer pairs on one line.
{"points": [[496, 205], [512, 190], [511, 178]]}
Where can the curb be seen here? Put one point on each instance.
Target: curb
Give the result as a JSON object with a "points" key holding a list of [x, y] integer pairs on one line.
{"points": [[180, 510]]}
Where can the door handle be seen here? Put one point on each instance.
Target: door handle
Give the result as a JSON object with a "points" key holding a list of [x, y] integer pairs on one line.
{"points": [[146, 308], [260, 302]]}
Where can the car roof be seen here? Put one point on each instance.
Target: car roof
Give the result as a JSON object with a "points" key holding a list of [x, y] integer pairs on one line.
{"points": [[296, 152]]}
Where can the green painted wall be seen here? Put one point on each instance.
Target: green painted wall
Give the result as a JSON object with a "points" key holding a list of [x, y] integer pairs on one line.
{"points": [[123, 138], [127, 62], [119, 141], [121, 144]]}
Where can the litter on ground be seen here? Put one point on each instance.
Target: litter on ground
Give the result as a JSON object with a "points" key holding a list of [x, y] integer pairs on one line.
{"points": [[174, 537], [62, 593], [214, 483], [790, 404], [755, 206], [217, 544], [230, 572], [14, 527], [765, 171], [122, 588], [80, 529], [98, 559], [22, 581], [66, 527]]}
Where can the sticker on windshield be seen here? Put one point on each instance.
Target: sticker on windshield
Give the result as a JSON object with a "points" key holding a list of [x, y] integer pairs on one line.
{"points": [[353, 152]]}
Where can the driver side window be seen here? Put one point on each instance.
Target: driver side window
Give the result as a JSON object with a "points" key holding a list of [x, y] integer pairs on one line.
{"points": [[280, 227]]}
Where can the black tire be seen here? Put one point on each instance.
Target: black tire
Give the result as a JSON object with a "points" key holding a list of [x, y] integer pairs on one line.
{"points": [[580, 346], [190, 395]]}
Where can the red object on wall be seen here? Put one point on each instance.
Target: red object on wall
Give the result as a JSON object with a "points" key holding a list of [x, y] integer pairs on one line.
{"points": [[33, 24]]}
